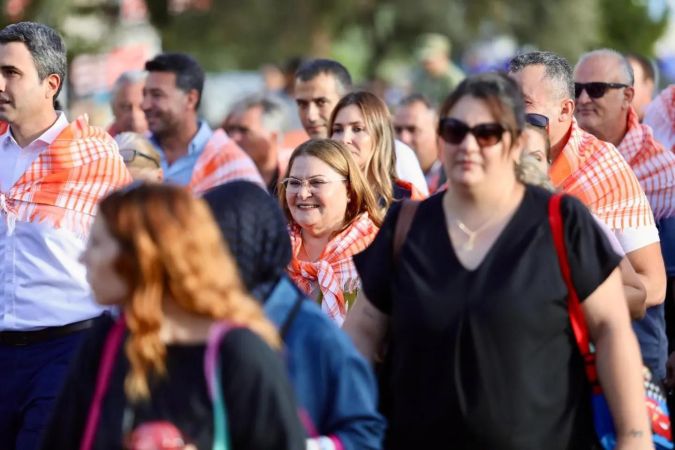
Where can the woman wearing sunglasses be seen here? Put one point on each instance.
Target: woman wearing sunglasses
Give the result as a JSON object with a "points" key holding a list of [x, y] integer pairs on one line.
{"points": [[332, 215], [140, 157], [480, 353], [361, 121], [156, 253]]}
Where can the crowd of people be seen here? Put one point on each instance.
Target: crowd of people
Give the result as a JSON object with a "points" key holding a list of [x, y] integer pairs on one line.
{"points": [[469, 269]]}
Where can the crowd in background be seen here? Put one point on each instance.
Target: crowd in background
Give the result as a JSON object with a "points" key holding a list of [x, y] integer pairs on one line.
{"points": [[326, 271]]}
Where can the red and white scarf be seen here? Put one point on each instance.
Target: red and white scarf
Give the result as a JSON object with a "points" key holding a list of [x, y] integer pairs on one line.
{"points": [[653, 165], [334, 271], [595, 172], [64, 183], [222, 161]]}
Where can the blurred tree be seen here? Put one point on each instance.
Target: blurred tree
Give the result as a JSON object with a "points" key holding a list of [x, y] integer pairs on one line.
{"points": [[626, 26]]}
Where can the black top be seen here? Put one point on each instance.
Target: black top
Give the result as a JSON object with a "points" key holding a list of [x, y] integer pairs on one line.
{"points": [[485, 358], [260, 408]]}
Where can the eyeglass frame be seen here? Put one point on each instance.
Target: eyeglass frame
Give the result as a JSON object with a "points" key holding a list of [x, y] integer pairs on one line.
{"points": [[308, 182], [137, 153]]}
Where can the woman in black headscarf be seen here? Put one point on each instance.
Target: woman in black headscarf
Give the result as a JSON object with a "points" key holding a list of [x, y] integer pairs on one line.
{"points": [[333, 383]]}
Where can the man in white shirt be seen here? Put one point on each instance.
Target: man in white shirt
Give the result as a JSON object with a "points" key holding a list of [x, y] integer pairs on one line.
{"points": [[319, 85], [51, 176]]}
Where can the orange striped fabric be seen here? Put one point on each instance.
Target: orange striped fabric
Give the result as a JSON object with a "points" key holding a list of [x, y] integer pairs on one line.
{"points": [[660, 115], [653, 165], [65, 182], [221, 161], [334, 272], [595, 172]]}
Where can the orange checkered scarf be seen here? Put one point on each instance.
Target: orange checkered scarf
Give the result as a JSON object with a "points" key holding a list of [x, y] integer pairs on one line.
{"points": [[653, 165], [65, 182], [595, 172], [334, 271], [221, 161]]}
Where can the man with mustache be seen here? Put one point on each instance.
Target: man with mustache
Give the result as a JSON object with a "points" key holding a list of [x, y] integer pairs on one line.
{"points": [[192, 154]]}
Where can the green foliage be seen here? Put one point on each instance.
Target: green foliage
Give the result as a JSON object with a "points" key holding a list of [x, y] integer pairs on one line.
{"points": [[626, 26]]}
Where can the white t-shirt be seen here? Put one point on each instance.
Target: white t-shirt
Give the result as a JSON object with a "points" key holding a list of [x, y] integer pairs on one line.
{"points": [[408, 167]]}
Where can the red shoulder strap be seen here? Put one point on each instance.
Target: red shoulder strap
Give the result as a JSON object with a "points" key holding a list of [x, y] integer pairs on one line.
{"points": [[575, 311], [112, 344]]}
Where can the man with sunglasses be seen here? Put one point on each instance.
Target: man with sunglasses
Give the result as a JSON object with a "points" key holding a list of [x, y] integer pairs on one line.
{"points": [[605, 110], [604, 91], [597, 173]]}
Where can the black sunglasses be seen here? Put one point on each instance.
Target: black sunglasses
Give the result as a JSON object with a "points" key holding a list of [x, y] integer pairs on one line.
{"points": [[537, 120], [596, 89], [454, 131]]}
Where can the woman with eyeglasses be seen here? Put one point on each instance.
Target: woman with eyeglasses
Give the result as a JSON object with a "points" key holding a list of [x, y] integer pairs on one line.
{"points": [[332, 215], [156, 253], [140, 157], [361, 121], [480, 353]]}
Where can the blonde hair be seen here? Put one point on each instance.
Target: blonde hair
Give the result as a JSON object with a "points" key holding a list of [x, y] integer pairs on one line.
{"points": [[170, 246], [138, 142], [339, 158], [380, 171]]}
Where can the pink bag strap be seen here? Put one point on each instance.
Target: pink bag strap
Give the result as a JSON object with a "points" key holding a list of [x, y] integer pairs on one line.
{"points": [[112, 344], [576, 313]]}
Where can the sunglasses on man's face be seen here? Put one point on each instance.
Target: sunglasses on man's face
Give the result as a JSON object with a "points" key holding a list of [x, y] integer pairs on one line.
{"points": [[454, 131], [537, 120], [596, 89]]}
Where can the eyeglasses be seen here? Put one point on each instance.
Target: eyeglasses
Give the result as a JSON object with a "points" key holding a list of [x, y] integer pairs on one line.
{"points": [[596, 89], [537, 120], [454, 131], [129, 154], [314, 184]]}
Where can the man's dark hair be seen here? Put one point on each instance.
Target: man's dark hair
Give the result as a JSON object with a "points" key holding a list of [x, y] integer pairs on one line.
{"points": [[558, 69], [416, 98], [315, 67], [189, 74], [649, 68], [45, 46]]}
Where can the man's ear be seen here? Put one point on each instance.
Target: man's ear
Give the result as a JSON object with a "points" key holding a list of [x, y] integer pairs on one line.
{"points": [[566, 110], [628, 95], [192, 98], [52, 83]]}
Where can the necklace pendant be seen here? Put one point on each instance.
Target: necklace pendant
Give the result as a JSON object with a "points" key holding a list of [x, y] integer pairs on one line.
{"points": [[468, 245]]}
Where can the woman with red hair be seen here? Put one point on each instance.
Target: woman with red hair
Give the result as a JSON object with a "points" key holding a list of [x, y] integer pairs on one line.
{"points": [[156, 253]]}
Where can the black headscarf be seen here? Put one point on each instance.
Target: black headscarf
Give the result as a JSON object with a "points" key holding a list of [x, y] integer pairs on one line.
{"points": [[254, 228]]}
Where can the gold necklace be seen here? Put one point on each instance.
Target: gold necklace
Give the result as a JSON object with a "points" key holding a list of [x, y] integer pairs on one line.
{"points": [[472, 234]]}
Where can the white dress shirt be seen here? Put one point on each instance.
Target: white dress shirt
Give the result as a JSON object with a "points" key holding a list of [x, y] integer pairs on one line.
{"points": [[42, 282]]}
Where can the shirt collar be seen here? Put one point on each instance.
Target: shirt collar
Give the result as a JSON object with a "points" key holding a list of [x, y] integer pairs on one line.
{"points": [[50, 134], [197, 143]]}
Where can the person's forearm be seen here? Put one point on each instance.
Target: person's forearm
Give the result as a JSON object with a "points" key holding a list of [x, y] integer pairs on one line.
{"points": [[620, 372], [655, 285], [635, 298]]}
